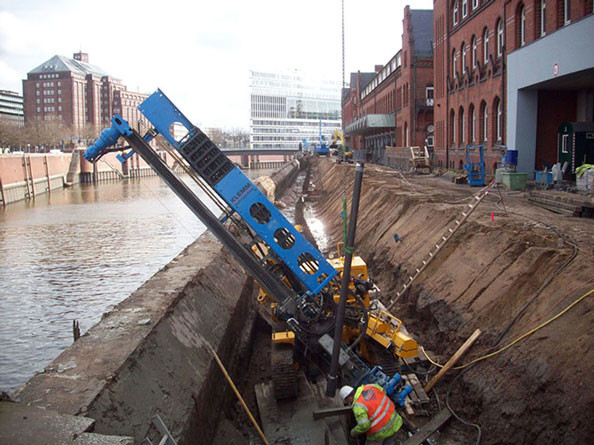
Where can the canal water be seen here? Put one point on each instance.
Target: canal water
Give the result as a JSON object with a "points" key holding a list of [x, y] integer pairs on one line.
{"points": [[76, 254]]}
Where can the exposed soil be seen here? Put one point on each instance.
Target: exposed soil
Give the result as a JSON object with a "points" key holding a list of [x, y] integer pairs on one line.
{"points": [[539, 390]]}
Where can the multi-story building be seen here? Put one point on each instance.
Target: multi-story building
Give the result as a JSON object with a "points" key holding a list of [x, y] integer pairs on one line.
{"points": [[79, 95], [498, 62], [11, 107], [395, 108], [290, 108]]}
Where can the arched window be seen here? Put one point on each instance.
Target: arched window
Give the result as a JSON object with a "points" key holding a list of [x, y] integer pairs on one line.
{"points": [[563, 13], [463, 51], [471, 124], [475, 4], [462, 127], [464, 8], [485, 121], [521, 19], [474, 52], [452, 128], [541, 12], [455, 13], [497, 112], [499, 38], [406, 134], [454, 62], [486, 45]]}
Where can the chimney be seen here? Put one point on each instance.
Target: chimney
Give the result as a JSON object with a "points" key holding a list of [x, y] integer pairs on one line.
{"points": [[82, 57], [378, 68]]}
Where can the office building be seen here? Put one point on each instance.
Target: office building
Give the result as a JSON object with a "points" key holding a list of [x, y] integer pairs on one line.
{"points": [[292, 108], [11, 107]]}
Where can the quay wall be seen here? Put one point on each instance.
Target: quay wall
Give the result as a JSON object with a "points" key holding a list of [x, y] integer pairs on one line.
{"points": [[24, 176], [151, 354]]}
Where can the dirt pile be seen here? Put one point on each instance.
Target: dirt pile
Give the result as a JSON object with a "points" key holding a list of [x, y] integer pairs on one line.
{"points": [[538, 391]]}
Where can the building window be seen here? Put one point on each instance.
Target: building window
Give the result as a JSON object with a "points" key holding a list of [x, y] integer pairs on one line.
{"points": [[475, 4], [429, 95], [472, 125], [455, 13], [543, 17], [564, 143], [464, 8], [474, 51], [485, 122], [522, 29], [454, 61], [498, 120], [462, 126], [463, 51], [566, 12], [499, 38], [452, 128], [486, 46]]}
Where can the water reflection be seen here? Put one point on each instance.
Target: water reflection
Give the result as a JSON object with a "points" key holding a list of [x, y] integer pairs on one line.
{"points": [[75, 255]]}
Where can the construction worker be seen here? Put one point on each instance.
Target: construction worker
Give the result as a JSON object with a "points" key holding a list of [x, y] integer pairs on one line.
{"points": [[375, 414]]}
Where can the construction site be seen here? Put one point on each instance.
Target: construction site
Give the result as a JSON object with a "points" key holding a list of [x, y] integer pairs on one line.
{"points": [[416, 281]]}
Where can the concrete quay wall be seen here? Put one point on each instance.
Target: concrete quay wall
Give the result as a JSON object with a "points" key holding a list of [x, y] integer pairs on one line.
{"points": [[150, 354]]}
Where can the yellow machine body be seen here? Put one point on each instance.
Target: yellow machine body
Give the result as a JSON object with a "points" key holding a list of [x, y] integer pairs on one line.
{"points": [[382, 327]]}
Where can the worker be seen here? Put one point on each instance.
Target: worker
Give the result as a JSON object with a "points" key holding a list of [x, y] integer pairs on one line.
{"points": [[375, 414]]}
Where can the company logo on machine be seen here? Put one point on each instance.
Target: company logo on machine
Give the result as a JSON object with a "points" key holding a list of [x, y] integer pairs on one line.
{"points": [[243, 191]]}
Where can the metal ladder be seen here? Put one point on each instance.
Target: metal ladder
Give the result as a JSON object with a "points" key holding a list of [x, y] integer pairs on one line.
{"points": [[477, 199], [167, 438]]}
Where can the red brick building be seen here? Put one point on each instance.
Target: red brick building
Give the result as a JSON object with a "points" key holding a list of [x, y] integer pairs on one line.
{"points": [[79, 95], [473, 39], [395, 108]]}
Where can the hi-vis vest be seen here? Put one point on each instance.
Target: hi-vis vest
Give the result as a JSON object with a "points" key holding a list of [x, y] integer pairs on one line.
{"points": [[378, 405]]}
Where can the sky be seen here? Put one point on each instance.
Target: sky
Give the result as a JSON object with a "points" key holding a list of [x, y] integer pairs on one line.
{"points": [[200, 52]]}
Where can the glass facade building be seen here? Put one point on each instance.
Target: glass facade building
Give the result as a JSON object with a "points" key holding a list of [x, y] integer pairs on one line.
{"points": [[289, 108]]}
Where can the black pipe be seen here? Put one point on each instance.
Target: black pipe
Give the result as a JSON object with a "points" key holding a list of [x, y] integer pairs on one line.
{"points": [[346, 278]]}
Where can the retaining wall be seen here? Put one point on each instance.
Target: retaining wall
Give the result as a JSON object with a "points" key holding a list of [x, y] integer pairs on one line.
{"points": [[149, 355]]}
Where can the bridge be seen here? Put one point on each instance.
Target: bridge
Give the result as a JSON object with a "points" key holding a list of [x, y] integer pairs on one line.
{"points": [[262, 151]]}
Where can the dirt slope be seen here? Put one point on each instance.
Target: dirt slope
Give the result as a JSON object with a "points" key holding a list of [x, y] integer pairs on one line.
{"points": [[538, 391]]}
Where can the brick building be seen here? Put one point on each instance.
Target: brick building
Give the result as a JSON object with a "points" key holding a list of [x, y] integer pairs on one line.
{"points": [[79, 95], [475, 44], [395, 108]]}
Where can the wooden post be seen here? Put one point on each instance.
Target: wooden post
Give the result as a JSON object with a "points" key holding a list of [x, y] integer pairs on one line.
{"points": [[451, 362], [47, 174], [26, 176], [32, 178]]}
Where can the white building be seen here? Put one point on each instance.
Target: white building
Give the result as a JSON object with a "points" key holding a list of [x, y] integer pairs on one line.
{"points": [[288, 108], [11, 107]]}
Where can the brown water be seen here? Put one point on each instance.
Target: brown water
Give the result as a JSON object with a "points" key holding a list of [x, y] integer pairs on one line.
{"points": [[74, 256]]}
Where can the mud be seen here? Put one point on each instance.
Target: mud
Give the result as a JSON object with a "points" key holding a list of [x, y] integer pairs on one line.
{"points": [[538, 391]]}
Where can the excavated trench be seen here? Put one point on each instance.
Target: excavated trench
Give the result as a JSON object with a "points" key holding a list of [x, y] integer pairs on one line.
{"points": [[508, 255]]}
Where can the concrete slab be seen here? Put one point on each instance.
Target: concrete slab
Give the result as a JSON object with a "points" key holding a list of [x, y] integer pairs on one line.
{"points": [[31, 425]]}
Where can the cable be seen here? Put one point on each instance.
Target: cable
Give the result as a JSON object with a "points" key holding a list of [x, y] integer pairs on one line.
{"points": [[516, 340], [460, 419]]}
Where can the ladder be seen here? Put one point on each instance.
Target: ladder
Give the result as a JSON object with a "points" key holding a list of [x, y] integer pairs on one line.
{"points": [[167, 438], [469, 208]]}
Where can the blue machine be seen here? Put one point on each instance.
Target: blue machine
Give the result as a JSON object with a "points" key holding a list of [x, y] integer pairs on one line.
{"points": [[287, 246], [322, 149], [476, 170]]}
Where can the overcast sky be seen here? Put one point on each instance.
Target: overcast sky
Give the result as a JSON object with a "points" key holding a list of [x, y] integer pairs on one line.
{"points": [[200, 53]]}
